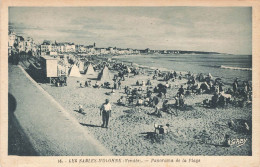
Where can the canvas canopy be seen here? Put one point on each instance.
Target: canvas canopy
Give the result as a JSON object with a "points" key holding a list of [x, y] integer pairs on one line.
{"points": [[74, 71], [89, 70], [81, 66], [104, 75]]}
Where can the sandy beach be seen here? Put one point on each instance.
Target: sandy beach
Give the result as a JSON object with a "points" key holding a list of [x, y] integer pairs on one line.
{"points": [[129, 126]]}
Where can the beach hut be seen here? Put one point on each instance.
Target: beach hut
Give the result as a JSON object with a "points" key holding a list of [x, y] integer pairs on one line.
{"points": [[74, 71], [104, 75], [89, 70], [62, 70]]}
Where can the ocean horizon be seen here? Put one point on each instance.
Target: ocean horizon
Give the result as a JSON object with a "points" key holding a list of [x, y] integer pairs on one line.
{"points": [[224, 66]]}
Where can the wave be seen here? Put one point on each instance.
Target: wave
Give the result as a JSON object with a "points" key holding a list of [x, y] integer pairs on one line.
{"points": [[125, 56], [236, 68], [151, 67]]}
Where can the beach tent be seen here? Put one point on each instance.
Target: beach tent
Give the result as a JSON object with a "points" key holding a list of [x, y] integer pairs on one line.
{"points": [[74, 71], [66, 61], [89, 70], [201, 77], [81, 66], [104, 75]]}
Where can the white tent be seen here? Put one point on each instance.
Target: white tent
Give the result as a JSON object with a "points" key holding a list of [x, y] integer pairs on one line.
{"points": [[74, 71], [90, 70], [66, 61], [81, 66], [105, 75]]}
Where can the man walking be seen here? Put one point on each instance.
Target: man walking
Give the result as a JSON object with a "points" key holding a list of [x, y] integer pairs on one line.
{"points": [[105, 111]]}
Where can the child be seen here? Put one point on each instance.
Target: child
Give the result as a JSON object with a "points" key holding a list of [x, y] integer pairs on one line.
{"points": [[161, 129], [81, 110]]}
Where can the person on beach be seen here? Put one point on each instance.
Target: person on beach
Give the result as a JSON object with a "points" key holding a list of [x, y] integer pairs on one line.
{"points": [[156, 89], [149, 92], [115, 85], [215, 100], [119, 84], [200, 77], [140, 90], [165, 106], [245, 88], [86, 84], [97, 85], [126, 88], [181, 100], [140, 101], [249, 87], [105, 112], [167, 85], [180, 76], [161, 129], [137, 83], [175, 74], [148, 82], [154, 77], [156, 72], [143, 83], [164, 91], [176, 104], [157, 112], [155, 100], [81, 110], [121, 101], [181, 90], [81, 85], [148, 101], [134, 92], [235, 87], [221, 85], [222, 101], [113, 92]]}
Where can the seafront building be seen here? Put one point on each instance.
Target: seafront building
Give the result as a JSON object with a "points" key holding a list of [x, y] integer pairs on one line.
{"points": [[48, 48], [20, 44], [11, 39]]}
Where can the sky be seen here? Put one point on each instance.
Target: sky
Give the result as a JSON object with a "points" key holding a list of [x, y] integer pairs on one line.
{"points": [[216, 29]]}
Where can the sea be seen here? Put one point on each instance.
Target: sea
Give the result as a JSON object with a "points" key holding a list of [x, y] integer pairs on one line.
{"points": [[224, 66]]}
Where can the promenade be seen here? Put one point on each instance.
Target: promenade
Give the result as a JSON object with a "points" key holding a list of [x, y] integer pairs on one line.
{"points": [[38, 125]]}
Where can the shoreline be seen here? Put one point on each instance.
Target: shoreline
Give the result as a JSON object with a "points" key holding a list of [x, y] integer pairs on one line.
{"points": [[123, 138], [163, 69]]}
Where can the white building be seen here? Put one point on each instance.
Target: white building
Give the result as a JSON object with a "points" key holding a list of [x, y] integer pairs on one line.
{"points": [[45, 47], [21, 44], [11, 39], [81, 49], [69, 47]]}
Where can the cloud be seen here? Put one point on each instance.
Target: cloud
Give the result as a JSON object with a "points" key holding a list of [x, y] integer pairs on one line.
{"points": [[196, 28]]}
